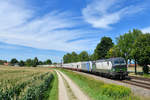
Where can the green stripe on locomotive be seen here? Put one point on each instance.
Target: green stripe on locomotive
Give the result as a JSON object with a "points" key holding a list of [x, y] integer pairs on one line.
{"points": [[119, 69]]}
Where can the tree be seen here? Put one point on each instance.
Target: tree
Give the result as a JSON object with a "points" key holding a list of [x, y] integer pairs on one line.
{"points": [[29, 62], [125, 44], [142, 50], [21, 63], [48, 62], [135, 34], [102, 48], [74, 57], [83, 56], [113, 52], [35, 62], [41, 63], [54, 63], [2, 62], [91, 57], [14, 61], [67, 58]]}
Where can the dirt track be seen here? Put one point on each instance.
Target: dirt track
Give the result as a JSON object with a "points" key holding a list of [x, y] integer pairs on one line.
{"points": [[64, 93], [62, 89]]}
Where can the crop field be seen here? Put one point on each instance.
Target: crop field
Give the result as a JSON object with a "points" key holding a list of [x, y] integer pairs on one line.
{"points": [[17, 83]]}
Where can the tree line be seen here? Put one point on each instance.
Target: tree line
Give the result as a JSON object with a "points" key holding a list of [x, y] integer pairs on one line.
{"points": [[29, 62], [74, 57], [132, 46], [2, 62]]}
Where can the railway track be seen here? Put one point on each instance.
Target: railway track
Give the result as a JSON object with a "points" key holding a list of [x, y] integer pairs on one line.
{"points": [[138, 89], [140, 78], [138, 81], [139, 84]]}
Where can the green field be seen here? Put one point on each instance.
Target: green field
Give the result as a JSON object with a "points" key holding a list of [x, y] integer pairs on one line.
{"points": [[17, 83]]}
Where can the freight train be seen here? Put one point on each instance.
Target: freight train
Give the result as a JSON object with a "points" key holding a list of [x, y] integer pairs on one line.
{"points": [[111, 68]]}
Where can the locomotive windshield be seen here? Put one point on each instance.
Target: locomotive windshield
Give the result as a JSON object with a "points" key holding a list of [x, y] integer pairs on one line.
{"points": [[119, 62]]}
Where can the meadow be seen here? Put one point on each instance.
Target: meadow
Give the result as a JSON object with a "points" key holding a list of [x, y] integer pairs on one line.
{"points": [[23, 83]]}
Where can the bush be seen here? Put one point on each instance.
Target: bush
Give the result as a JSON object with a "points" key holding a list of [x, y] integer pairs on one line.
{"points": [[115, 91]]}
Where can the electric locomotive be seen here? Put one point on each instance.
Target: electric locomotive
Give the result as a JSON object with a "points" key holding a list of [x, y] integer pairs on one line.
{"points": [[113, 67]]}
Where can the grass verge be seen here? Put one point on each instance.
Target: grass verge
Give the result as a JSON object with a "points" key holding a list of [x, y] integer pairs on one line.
{"points": [[52, 93], [146, 75], [98, 90], [140, 75]]}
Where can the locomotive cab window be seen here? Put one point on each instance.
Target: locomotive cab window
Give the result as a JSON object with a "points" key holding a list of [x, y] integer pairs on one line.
{"points": [[119, 62]]}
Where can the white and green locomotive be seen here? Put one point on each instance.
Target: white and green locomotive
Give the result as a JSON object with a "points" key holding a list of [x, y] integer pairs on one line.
{"points": [[113, 67]]}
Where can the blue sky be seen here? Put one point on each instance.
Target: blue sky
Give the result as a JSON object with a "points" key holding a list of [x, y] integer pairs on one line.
{"points": [[51, 28]]}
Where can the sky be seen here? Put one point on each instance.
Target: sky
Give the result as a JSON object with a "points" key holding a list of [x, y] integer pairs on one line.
{"points": [[48, 29]]}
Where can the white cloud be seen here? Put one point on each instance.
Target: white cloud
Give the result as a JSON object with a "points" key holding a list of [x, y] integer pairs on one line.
{"points": [[12, 15], [146, 30], [20, 26], [104, 13]]}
